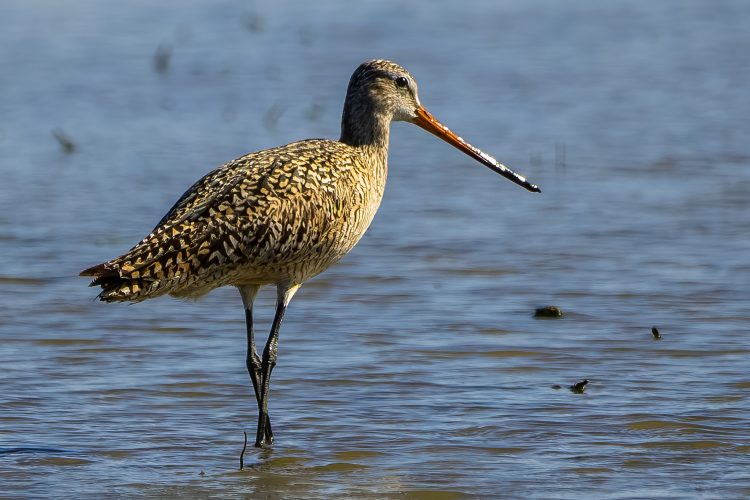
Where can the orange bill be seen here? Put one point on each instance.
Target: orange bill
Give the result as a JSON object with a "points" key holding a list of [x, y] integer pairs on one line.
{"points": [[433, 126]]}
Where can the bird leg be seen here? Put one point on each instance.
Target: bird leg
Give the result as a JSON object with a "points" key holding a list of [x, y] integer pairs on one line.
{"points": [[267, 364], [254, 364], [284, 295], [252, 360]]}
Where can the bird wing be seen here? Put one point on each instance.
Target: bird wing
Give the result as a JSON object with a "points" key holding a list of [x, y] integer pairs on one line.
{"points": [[231, 215]]}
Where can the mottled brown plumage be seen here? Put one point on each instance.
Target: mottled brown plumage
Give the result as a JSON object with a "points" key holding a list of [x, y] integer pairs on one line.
{"points": [[279, 216]]}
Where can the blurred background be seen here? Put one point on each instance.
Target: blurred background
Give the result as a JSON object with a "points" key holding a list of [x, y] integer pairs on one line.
{"points": [[416, 366]]}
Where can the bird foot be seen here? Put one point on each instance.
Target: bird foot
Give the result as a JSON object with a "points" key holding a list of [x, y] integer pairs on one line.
{"points": [[264, 443]]}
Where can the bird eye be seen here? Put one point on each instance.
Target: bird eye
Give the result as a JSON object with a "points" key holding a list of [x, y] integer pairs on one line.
{"points": [[401, 81]]}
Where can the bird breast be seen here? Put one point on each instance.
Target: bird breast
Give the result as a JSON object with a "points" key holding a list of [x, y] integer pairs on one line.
{"points": [[317, 207]]}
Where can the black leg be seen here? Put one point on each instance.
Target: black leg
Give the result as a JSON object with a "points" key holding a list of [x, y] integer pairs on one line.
{"points": [[285, 294], [254, 365], [252, 360]]}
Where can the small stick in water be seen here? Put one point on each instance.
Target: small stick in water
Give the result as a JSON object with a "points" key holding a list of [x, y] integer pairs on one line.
{"points": [[67, 144], [242, 455]]}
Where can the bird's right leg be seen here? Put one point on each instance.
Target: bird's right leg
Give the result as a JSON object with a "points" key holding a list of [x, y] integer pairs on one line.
{"points": [[284, 293], [252, 359]]}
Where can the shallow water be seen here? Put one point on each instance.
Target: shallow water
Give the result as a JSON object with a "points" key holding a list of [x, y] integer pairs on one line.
{"points": [[414, 367]]}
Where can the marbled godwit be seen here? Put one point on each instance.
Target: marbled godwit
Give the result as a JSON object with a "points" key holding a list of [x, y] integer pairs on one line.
{"points": [[280, 216]]}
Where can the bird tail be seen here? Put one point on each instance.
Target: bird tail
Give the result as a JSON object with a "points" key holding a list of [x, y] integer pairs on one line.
{"points": [[115, 287]]}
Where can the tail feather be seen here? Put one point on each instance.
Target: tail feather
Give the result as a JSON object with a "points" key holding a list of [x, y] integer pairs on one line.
{"points": [[99, 270], [115, 288]]}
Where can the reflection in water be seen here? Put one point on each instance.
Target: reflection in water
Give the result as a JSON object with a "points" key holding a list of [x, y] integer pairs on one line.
{"points": [[416, 365]]}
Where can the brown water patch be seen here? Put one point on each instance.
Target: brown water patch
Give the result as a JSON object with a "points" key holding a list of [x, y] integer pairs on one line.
{"points": [[474, 431], [726, 398], [64, 342], [271, 481], [283, 462], [131, 349], [495, 331], [524, 369], [356, 454], [120, 327], [382, 279], [72, 360], [473, 450], [689, 353], [641, 464], [169, 329], [117, 453], [185, 394], [646, 425], [685, 445], [590, 470], [189, 385], [116, 391], [432, 495], [503, 450], [20, 403], [338, 467], [59, 461], [352, 382], [477, 271], [10, 418], [506, 354]]}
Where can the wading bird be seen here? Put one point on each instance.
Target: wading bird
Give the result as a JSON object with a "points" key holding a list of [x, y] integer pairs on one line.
{"points": [[280, 216]]}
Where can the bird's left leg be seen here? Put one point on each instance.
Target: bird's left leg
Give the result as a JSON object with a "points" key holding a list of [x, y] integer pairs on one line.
{"points": [[252, 359], [285, 293]]}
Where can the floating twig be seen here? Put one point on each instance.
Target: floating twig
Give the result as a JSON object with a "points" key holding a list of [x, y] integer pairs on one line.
{"points": [[65, 141], [242, 455]]}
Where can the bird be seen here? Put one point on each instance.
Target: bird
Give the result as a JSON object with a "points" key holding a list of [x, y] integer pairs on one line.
{"points": [[280, 216]]}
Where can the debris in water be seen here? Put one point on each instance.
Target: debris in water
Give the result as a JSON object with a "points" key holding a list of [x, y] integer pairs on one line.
{"points": [[316, 109], [242, 454], [579, 387], [162, 57], [655, 333], [253, 23], [548, 312], [557, 387], [65, 141], [273, 115]]}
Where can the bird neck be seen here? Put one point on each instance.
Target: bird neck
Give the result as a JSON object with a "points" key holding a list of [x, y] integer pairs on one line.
{"points": [[362, 125]]}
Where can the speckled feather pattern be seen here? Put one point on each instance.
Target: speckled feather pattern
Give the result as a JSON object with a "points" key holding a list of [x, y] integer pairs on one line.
{"points": [[279, 215]]}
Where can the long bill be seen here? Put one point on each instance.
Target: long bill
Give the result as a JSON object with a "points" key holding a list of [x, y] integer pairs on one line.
{"points": [[428, 122]]}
